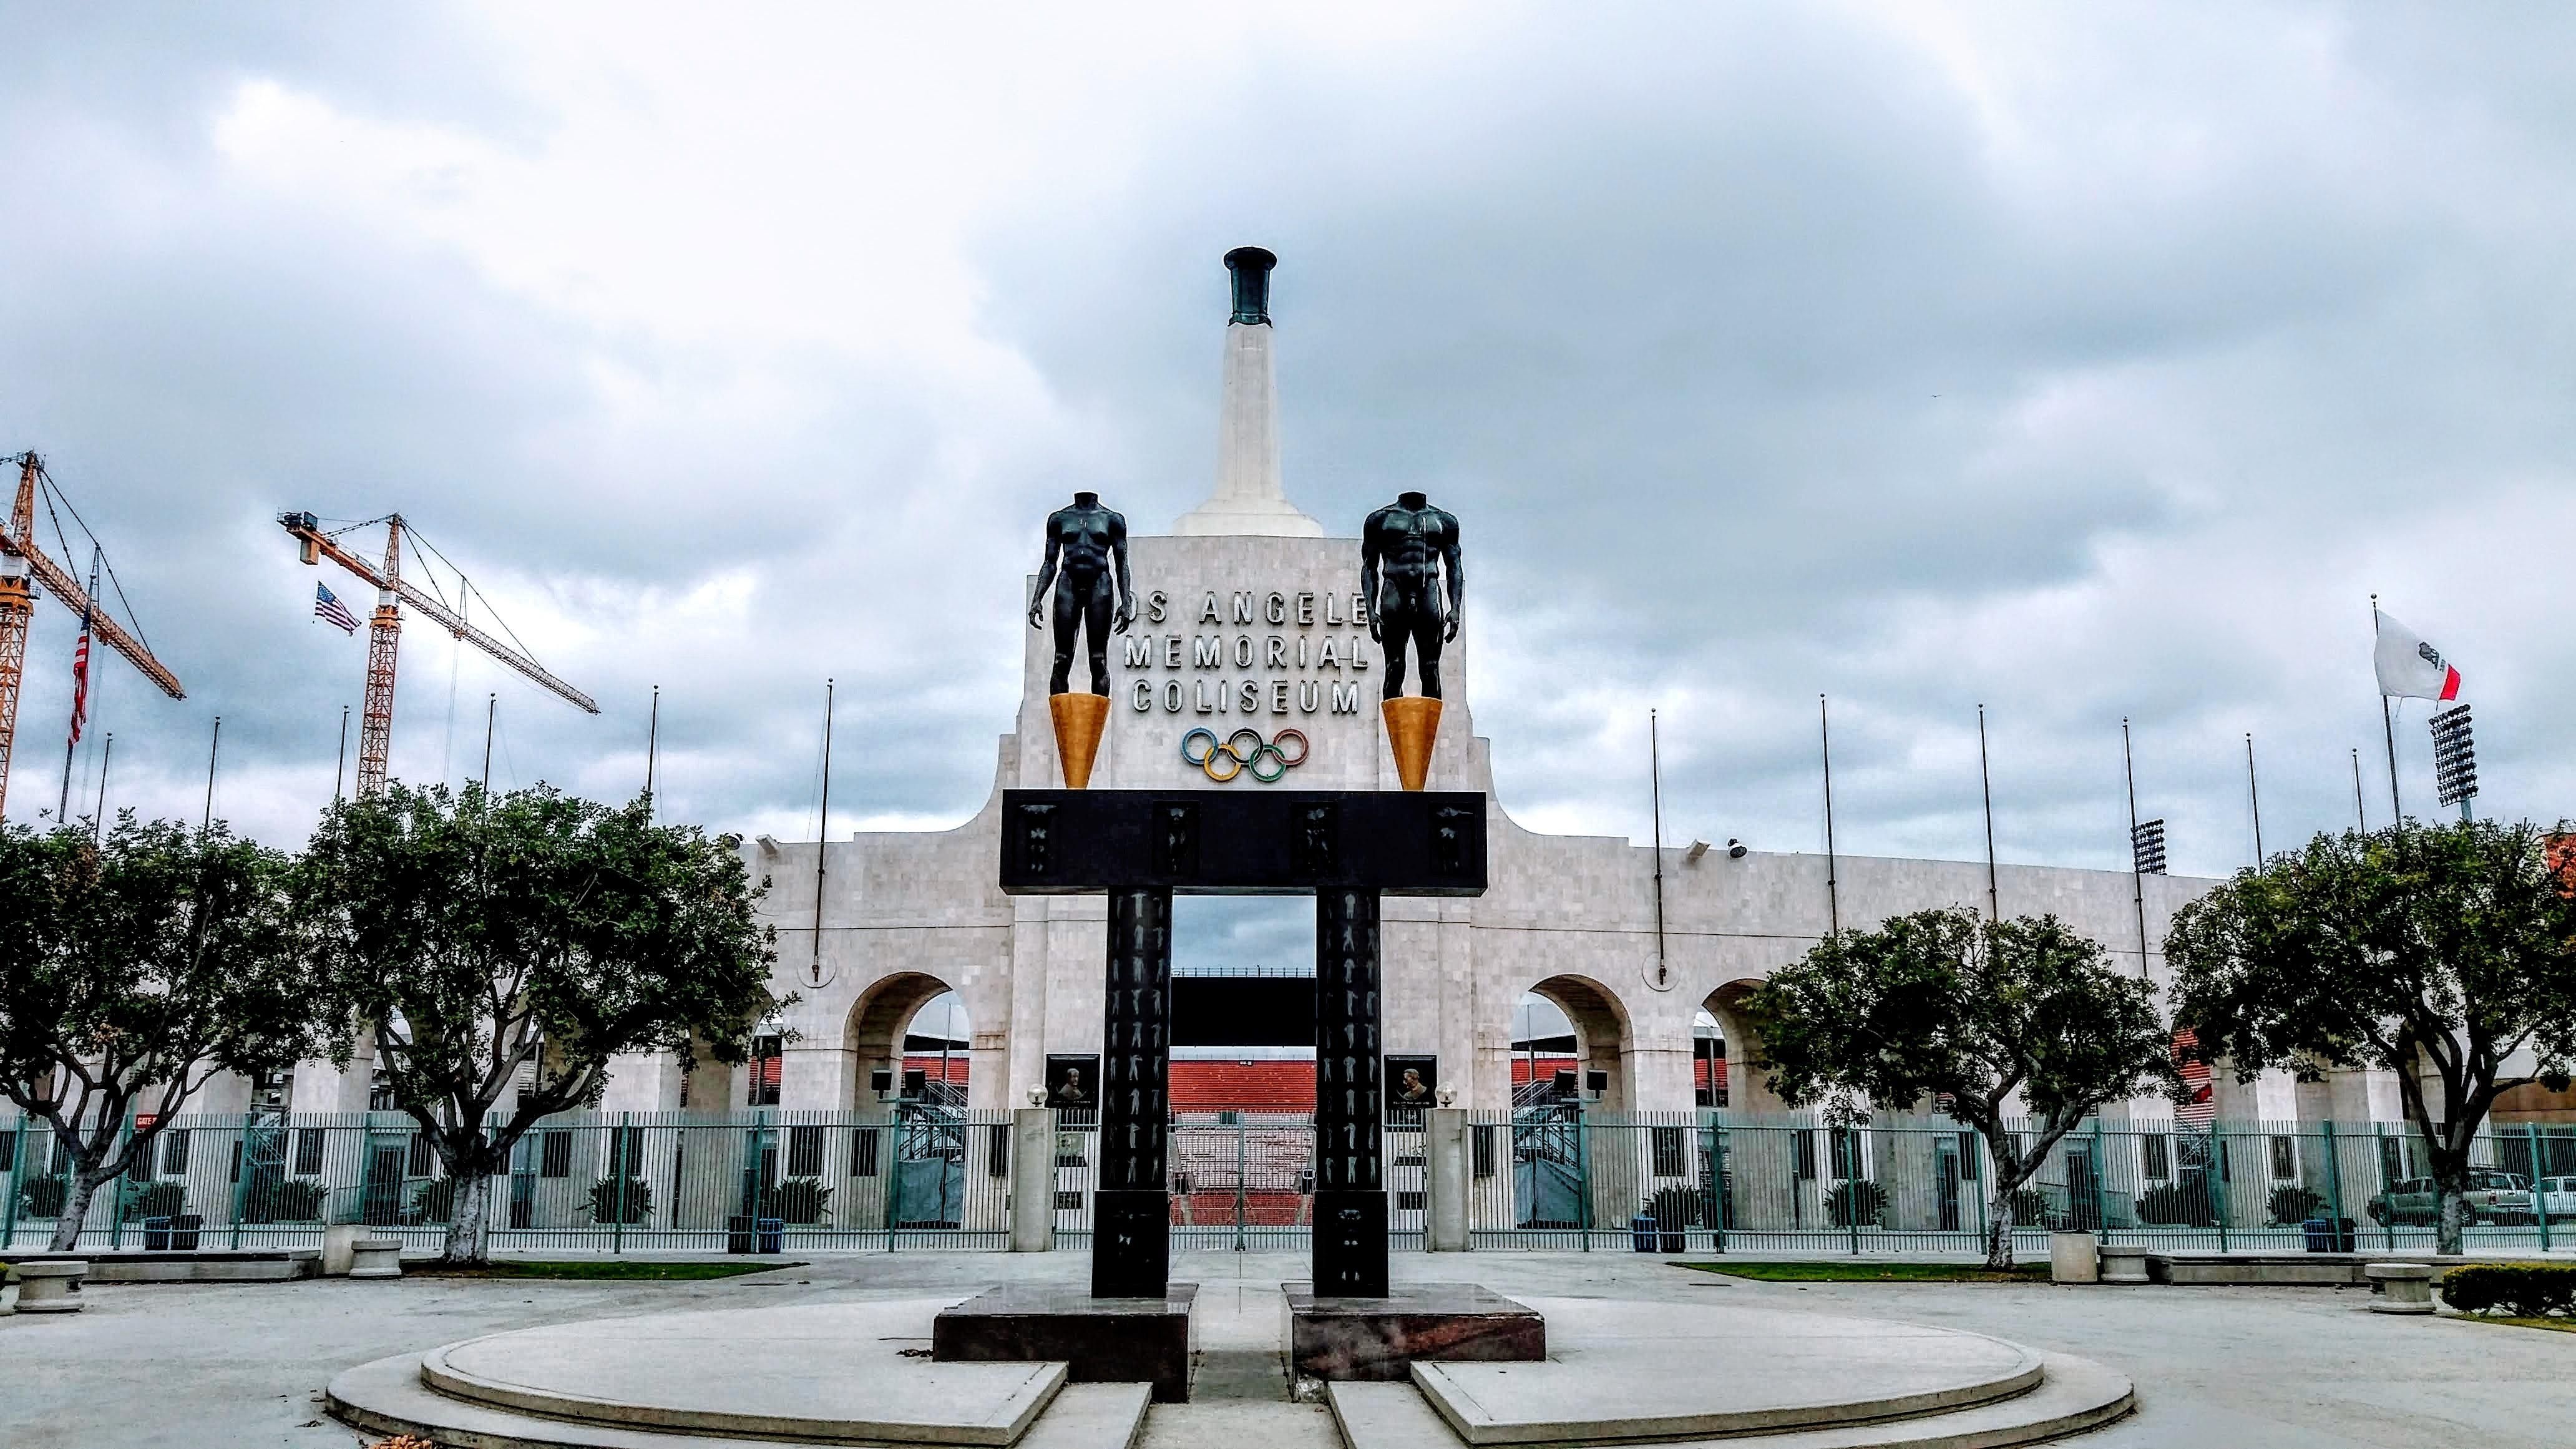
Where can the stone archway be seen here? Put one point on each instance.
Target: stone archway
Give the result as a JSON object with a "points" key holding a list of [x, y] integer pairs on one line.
{"points": [[873, 1040], [1602, 1039], [1746, 1090]]}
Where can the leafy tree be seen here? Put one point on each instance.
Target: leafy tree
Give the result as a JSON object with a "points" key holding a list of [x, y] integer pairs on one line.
{"points": [[2444, 954], [1946, 1002], [132, 968], [500, 949]]}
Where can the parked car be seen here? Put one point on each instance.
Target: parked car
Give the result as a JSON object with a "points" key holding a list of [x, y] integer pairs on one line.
{"points": [[2558, 1197], [2492, 1196]]}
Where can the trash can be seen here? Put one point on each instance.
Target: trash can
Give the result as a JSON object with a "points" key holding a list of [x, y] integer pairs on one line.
{"points": [[2328, 1235], [172, 1234], [1642, 1229], [745, 1234]]}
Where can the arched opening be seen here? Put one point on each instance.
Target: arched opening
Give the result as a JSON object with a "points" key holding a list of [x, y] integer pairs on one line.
{"points": [[1591, 1044], [1708, 1061], [908, 1037], [1739, 1051]]}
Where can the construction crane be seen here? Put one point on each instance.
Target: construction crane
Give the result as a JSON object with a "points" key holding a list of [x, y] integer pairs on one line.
{"points": [[384, 632], [22, 566]]}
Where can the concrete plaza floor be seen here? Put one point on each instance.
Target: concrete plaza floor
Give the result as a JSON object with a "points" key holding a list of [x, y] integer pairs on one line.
{"points": [[2292, 1368]]}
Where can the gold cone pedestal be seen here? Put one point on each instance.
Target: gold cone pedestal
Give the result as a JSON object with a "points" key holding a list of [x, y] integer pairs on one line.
{"points": [[1411, 726], [1079, 719]]}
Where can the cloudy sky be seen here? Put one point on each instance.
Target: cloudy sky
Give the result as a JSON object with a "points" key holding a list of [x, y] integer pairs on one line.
{"points": [[2084, 363]]}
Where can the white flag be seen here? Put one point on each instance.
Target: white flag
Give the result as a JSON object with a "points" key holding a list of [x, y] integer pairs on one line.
{"points": [[2410, 667]]}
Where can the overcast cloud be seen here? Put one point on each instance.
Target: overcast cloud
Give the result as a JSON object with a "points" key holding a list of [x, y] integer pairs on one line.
{"points": [[2088, 363]]}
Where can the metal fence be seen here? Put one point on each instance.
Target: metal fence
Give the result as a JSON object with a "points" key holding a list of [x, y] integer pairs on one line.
{"points": [[921, 1176], [1553, 1176], [913, 1177]]}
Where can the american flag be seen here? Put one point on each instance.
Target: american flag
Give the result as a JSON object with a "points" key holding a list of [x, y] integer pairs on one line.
{"points": [[80, 680], [328, 608]]}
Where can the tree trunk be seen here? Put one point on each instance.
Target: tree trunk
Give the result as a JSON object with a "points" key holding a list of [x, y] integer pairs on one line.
{"points": [[1999, 1231], [76, 1200], [2448, 1233], [469, 1225]]}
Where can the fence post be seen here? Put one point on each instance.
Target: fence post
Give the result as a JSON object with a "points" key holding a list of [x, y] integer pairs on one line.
{"points": [[2539, 1199], [2334, 1178], [1583, 1174], [243, 1169], [1848, 1151], [1717, 1194], [2101, 1203], [617, 1139], [2217, 1180], [1239, 1130], [17, 1180]]}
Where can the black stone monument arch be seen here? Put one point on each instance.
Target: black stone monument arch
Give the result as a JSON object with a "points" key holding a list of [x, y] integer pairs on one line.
{"points": [[1348, 849]]}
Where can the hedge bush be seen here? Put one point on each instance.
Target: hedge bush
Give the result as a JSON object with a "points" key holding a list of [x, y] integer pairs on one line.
{"points": [[1859, 1203], [2292, 1204], [2174, 1205], [165, 1198], [434, 1202], [627, 1200], [802, 1200], [45, 1197], [2514, 1290]]}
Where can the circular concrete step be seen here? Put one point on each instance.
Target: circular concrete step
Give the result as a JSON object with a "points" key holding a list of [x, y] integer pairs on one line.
{"points": [[1626, 1370], [822, 1372]]}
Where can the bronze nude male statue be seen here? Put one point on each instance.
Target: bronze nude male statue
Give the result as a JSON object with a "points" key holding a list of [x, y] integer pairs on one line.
{"points": [[1406, 549], [1086, 564]]}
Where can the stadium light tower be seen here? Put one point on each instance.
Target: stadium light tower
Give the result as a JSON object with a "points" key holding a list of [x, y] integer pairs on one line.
{"points": [[2147, 847], [2455, 758]]}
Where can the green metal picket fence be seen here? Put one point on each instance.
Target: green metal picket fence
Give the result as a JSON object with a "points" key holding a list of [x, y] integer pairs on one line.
{"points": [[917, 1177], [1556, 1176], [911, 1177]]}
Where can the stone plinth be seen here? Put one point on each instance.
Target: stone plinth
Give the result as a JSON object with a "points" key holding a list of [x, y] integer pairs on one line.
{"points": [[1099, 1340], [375, 1258], [2403, 1287], [2074, 1258], [1362, 1339], [50, 1287]]}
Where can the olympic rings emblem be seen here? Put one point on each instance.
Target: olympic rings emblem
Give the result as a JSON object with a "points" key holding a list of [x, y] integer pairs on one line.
{"points": [[1244, 752]]}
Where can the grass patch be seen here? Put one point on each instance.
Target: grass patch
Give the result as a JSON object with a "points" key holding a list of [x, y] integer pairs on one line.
{"points": [[1846, 1272], [622, 1270]]}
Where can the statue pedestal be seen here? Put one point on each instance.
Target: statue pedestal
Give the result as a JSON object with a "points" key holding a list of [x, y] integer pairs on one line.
{"points": [[1411, 727], [1080, 720]]}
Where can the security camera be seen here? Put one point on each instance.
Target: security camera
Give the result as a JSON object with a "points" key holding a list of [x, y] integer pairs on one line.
{"points": [[1734, 849], [1037, 1096]]}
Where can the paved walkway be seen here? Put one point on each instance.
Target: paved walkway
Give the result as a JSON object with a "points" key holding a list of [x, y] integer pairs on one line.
{"points": [[242, 1365]]}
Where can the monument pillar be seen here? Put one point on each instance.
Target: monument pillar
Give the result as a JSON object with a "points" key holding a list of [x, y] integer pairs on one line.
{"points": [[1131, 1245], [1350, 1132]]}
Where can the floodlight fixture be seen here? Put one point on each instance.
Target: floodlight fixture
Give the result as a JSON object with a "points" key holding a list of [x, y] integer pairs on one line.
{"points": [[2455, 758], [2147, 847], [1697, 849]]}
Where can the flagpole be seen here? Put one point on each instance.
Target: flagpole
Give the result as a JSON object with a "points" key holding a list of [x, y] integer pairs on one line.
{"points": [[2254, 794], [2387, 725], [652, 747], [823, 846], [106, 754], [1986, 783], [1833, 896], [2137, 877], [213, 748], [2359, 817], [1655, 773], [491, 713], [340, 767]]}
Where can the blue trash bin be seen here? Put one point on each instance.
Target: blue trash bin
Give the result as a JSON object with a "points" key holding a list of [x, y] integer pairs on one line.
{"points": [[773, 1235], [1642, 1229]]}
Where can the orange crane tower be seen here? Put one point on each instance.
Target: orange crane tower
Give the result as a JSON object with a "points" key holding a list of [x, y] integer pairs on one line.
{"points": [[384, 632], [19, 559]]}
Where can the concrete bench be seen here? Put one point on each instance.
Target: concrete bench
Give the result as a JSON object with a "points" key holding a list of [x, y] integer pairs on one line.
{"points": [[52, 1286], [375, 1258], [2403, 1287], [2258, 1270], [249, 1265]]}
